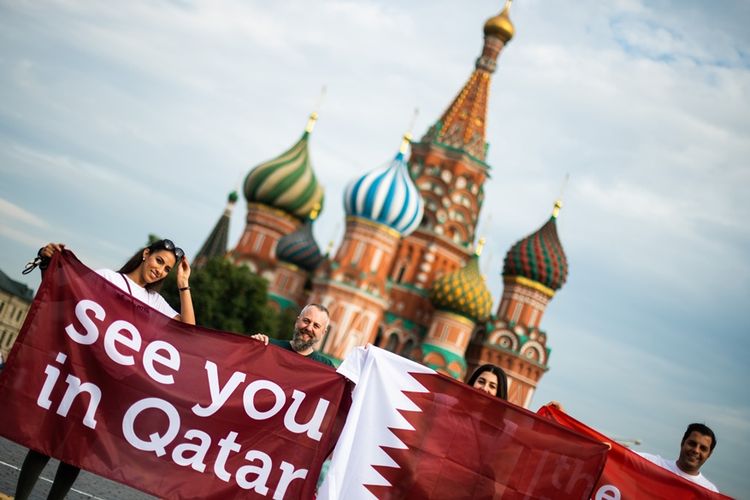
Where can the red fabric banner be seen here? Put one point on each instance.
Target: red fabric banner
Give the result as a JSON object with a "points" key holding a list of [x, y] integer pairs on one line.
{"points": [[627, 475], [414, 434], [101, 381]]}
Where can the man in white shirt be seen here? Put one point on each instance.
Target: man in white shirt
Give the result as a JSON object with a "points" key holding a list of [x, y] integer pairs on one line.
{"points": [[697, 444]]}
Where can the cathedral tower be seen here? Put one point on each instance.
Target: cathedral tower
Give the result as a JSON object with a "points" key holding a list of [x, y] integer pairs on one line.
{"points": [[461, 299], [216, 243], [449, 168], [280, 194], [381, 207], [535, 268]]}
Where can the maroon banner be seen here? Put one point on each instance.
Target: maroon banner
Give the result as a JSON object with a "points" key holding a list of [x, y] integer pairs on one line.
{"points": [[627, 475], [102, 381]]}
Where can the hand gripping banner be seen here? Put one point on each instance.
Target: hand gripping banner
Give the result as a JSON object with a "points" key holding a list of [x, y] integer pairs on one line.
{"points": [[627, 475], [413, 434], [102, 381]]}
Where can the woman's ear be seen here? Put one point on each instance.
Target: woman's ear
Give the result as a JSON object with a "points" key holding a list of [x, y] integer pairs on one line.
{"points": [[146, 253]]}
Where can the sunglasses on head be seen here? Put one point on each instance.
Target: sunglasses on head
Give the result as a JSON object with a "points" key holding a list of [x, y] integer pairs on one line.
{"points": [[169, 245]]}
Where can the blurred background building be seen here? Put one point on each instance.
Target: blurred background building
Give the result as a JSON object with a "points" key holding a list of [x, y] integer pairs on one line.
{"points": [[15, 300]]}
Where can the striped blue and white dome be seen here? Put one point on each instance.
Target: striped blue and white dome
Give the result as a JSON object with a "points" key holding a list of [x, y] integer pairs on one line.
{"points": [[387, 195]]}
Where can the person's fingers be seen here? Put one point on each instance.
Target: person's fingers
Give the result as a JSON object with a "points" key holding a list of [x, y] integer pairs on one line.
{"points": [[50, 248], [556, 405], [259, 336]]}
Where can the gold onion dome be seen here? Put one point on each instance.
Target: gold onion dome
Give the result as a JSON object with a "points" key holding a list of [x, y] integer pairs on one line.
{"points": [[463, 292], [500, 25], [287, 182]]}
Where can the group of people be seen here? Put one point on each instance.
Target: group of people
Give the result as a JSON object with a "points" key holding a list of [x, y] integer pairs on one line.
{"points": [[142, 277], [696, 446]]}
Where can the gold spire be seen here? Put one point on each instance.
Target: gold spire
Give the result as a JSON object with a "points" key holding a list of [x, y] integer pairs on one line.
{"points": [[480, 246], [314, 115], [405, 141], [311, 122], [556, 209], [315, 211], [558, 202]]}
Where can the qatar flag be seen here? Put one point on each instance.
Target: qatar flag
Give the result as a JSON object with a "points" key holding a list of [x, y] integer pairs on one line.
{"points": [[413, 433]]}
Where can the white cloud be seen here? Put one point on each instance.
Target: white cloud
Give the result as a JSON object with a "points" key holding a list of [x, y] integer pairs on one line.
{"points": [[19, 236], [12, 212]]}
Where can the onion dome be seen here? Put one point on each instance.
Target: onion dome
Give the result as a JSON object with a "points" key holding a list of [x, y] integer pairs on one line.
{"points": [[387, 195], [299, 248], [500, 25], [463, 292], [540, 256], [287, 182]]}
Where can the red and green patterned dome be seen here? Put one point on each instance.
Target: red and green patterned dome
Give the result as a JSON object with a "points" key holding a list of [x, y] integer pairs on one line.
{"points": [[540, 256], [463, 292]]}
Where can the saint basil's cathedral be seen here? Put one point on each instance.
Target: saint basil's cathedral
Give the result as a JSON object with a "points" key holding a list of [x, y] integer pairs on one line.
{"points": [[406, 275]]}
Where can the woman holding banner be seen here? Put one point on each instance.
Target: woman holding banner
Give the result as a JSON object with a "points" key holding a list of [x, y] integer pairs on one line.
{"points": [[142, 277]]}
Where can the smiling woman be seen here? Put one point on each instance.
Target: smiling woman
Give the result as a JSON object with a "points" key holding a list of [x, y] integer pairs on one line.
{"points": [[141, 276], [490, 379]]}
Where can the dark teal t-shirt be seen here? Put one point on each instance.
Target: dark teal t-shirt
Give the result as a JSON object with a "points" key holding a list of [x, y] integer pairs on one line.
{"points": [[315, 355]]}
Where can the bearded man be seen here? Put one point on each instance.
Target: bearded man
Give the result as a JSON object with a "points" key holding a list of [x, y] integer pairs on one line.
{"points": [[309, 327]]}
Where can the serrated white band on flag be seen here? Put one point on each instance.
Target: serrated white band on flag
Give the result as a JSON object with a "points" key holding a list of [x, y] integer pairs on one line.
{"points": [[381, 378]]}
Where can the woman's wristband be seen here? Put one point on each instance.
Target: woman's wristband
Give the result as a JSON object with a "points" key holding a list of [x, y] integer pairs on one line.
{"points": [[184, 288]]}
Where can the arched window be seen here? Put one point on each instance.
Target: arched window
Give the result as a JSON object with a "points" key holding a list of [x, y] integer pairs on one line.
{"points": [[378, 336], [408, 348], [392, 342]]}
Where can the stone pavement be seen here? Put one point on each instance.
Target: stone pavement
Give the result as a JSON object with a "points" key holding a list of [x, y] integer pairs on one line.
{"points": [[87, 487]]}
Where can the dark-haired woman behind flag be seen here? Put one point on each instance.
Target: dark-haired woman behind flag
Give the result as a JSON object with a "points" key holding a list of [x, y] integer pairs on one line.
{"points": [[490, 379]]}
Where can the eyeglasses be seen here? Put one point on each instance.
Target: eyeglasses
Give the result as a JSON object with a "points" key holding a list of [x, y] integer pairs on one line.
{"points": [[169, 245]]}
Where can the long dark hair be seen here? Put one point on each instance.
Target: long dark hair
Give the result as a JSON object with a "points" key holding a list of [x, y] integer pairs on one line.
{"points": [[502, 380], [137, 259]]}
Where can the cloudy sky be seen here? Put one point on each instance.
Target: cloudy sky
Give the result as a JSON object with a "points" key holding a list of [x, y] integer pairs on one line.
{"points": [[119, 120]]}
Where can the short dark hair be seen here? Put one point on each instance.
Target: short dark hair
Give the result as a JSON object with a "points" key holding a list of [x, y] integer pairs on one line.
{"points": [[700, 429], [502, 380]]}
